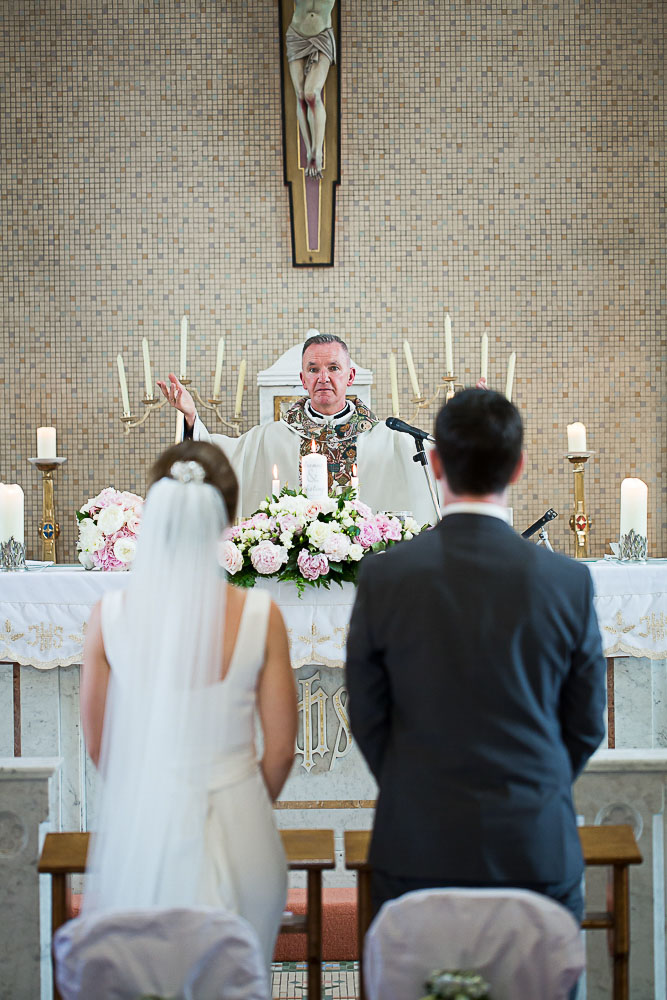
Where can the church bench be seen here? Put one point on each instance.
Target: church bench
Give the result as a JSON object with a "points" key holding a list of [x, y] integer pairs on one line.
{"points": [[311, 851], [611, 846]]}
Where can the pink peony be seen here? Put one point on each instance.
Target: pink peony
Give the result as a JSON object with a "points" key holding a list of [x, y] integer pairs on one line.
{"points": [[337, 546], [267, 558], [369, 533], [106, 558], [314, 508], [390, 527], [288, 522], [231, 557], [312, 566], [361, 508]]}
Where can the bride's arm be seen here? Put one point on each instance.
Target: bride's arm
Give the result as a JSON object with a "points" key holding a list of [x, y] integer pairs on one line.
{"points": [[94, 683], [277, 706]]}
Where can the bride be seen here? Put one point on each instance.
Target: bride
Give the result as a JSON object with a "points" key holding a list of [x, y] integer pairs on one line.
{"points": [[176, 667]]}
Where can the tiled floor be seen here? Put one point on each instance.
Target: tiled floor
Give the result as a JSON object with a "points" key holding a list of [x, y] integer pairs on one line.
{"points": [[340, 980]]}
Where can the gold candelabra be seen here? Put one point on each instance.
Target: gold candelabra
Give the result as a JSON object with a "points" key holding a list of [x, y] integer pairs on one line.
{"points": [[448, 385], [49, 529], [580, 522], [155, 403]]}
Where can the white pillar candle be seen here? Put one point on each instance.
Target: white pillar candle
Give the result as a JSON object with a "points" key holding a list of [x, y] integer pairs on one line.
{"points": [[315, 475], [576, 438], [485, 357], [634, 504], [275, 483], [148, 375], [412, 371], [180, 426], [449, 355], [509, 383], [239, 388], [12, 521], [184, 347], [46, 442], [123, 386], [393, 380], [354, 478], [218, 368]]}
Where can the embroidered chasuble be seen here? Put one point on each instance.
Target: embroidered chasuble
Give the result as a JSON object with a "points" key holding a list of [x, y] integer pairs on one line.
{"points": [[335, 436]]}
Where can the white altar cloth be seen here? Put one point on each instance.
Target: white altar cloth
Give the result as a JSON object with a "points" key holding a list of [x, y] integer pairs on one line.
{"points": [[43, 613]]}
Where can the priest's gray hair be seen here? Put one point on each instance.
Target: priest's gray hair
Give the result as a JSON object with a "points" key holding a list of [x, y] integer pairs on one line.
{"points": [[324, 338]]}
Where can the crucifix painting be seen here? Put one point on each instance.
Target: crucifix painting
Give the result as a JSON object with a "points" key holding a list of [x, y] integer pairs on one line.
{"points": [[310, 91]]}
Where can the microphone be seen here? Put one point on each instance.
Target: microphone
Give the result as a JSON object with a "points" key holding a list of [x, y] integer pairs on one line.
{"points": [[395, 424], [549, 516]]}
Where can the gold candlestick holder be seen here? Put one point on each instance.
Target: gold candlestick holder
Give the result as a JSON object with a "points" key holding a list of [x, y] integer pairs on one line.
{"points": [[448, 385], [580, 522], [214, 404], [49, 529], [155, 403]]}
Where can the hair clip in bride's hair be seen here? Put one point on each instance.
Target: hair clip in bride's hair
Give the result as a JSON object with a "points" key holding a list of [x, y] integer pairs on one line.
{"points": [[188, 472]]}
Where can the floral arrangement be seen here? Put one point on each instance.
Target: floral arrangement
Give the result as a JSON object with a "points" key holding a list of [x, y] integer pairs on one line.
{"points": [[457, 985], [310, 542], [108, 527]]}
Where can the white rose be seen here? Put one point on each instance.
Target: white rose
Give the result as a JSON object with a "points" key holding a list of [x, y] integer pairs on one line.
{"points": [[110, 519], [411, 525], [231, 557], [124, 549], [90, 536], [355, 553], [337, 547], [286, 539], [318, 532], [86, 560], [264, 505], [407, 536], [329, 505]]}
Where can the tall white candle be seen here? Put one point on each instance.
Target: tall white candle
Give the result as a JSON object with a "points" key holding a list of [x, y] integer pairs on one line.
{"points": [[354, 479], [12, 521], [576, 438], [275, 483], [449, 355], [510, 375], [239, 388], [634, 504], [184, 347], [315, 475], [484, 373], [46, 442], [393, 381], [180, 426], [148, 375], [412, 371], [218, 368], [123, 386]]}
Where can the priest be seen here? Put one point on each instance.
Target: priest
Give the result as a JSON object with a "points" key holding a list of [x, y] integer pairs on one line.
{"points": [[326, 420]]}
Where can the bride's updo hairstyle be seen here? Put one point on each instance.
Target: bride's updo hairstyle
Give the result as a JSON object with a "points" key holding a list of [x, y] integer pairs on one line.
{"points": [[217, 469]]}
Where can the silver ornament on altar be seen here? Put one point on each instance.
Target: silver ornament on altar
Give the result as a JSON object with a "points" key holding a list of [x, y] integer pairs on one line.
{"points": [[633, 547], [12, 555]]}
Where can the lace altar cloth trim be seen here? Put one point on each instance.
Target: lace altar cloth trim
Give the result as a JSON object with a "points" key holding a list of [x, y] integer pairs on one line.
{"points": [[43, 614]]}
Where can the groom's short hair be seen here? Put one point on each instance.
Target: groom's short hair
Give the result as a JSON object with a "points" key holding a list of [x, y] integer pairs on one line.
{"points": [[478, 435]]}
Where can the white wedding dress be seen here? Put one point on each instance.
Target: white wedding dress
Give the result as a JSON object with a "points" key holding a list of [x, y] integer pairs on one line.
{"points": [[244, 868]]}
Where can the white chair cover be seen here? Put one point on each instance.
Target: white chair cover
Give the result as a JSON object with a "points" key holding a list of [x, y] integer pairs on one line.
{"points": [[199, 953], [525, 945]]}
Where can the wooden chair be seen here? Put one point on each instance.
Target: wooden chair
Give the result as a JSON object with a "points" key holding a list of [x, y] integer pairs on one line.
{"points": [[612, 846], [311, 851]]}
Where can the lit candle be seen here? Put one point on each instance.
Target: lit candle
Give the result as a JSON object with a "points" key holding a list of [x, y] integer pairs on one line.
{"points": [[314, 474], [634, 503], [184, 346], [576, 439], [239, 388], [148, 375], [412, 372], [449, 356], [123, 386], [46, 442], [218, 368], [393, 379], [180, 426], [275, 483], [12, 523], [510, 375], [485, 356], [354, 479]]}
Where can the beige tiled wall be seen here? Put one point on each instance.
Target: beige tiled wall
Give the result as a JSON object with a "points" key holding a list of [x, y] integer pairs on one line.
{"points": [[502, 162]]}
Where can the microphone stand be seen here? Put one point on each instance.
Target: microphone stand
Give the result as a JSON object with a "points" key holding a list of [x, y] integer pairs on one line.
{"points": [[423, 459]]}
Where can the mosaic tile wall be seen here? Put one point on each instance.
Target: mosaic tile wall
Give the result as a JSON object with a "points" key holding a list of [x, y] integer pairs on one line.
{"points": [[502, 162]]}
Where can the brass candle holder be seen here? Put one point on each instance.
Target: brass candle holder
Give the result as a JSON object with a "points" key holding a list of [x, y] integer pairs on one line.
{"points": [[155, 403], [49, 529], [580, 522], [448, 386]]}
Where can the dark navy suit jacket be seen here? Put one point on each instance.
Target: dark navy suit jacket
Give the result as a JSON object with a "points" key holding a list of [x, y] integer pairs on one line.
{"points": [[477, 693]]}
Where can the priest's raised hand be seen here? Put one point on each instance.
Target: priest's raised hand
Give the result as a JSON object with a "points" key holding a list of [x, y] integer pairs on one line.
{"points": [[179, 397]]}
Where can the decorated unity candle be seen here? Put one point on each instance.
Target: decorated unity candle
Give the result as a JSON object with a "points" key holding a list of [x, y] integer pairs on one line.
{"points": [[314, 474], [12, 523], [46, 442], [634, 503], [576, 439]]}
